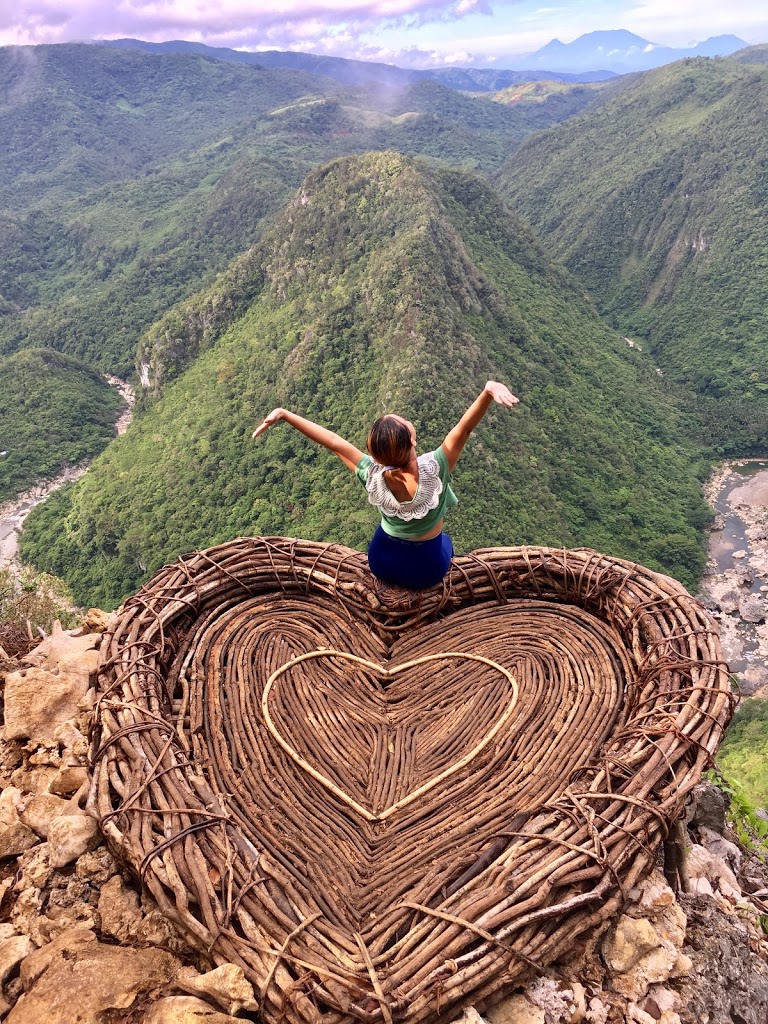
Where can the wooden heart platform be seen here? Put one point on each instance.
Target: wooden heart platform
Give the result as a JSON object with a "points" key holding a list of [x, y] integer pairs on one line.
{"points": [[385, 805]]}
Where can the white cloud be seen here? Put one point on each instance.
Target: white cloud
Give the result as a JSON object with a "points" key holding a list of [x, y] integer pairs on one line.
{"points": [[224, 22], [686, 22]]}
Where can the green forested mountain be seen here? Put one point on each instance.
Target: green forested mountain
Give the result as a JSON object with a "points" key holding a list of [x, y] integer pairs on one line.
{"points": [[658, 200], [54, 412], [128, 179], [384, 284]]}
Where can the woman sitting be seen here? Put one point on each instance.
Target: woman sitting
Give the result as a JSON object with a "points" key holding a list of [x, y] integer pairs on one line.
{"points": [[411, 492]]}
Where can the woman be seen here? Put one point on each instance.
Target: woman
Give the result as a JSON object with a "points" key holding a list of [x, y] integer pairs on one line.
{"points": [[410, 491]]}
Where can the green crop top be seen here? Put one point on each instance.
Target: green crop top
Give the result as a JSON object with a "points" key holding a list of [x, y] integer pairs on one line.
{"points": [[427, 507]]}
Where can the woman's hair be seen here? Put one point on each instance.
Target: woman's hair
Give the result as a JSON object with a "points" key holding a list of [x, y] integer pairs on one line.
{"points": [[389, 442]]}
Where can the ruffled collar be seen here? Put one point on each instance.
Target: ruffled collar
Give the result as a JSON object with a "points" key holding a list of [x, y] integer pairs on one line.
{"points": [[426, 498]]}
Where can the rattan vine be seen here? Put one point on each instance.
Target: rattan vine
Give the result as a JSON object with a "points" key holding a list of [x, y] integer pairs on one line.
{"points": [[385, 806]]}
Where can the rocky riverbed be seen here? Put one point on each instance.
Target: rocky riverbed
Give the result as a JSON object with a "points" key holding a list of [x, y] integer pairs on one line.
{"points": [[735, 587]]}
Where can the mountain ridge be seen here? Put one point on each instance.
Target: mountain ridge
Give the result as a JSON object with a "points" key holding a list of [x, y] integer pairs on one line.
{"points": [[656, 202], [387, 284]]}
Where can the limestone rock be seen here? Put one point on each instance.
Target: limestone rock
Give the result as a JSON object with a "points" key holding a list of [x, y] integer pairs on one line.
{"points": [[186, 1010], [15, 839], [37, 701], [708, 808], [729, 602], [37, 811], [12, 952], [226, 985], [752, 609], [703, 864], [124, 919], [77, 971], [66, 649], [68, 780], [640, 954], [96, 866], [97, 621], [70, 836], [15, 836], [517, 1009], [721, 847]]}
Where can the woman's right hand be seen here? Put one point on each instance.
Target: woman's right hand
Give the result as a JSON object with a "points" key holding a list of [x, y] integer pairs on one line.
{"points": [[500, 393], [273, 417]]}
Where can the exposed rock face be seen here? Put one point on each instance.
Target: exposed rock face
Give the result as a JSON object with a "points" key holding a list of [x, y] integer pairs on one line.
{"points": [[729, 982]]}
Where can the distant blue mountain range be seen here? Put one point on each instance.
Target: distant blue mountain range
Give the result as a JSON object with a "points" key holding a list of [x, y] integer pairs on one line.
{"points": [[361, 72], [619, 51], [593, 57]]}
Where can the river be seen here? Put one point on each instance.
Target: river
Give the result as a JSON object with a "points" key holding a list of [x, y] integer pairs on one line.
{"points": [[13, 513]]}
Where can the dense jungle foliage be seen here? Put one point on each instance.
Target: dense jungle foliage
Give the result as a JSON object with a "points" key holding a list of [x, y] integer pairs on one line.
{"points": [[54, 412], [657, 201], [128, 180], [384, 284]]}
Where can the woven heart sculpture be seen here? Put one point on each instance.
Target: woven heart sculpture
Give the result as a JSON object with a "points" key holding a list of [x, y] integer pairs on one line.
{"points": [[386, 806]]}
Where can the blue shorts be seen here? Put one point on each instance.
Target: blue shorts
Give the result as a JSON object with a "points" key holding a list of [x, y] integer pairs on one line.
{"points": [[413, 564]]}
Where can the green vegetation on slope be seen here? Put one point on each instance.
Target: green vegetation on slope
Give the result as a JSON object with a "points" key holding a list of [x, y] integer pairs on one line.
{"points": [[54, 412], [383, 285], [127, 180], [743, 755], [657, 201]]}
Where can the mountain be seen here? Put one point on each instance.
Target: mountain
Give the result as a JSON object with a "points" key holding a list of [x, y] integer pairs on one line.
{"points": [[384, 283], [54, 412], [657, 201], [362, 72], [620, 51], [128, 180], [752, 54]]}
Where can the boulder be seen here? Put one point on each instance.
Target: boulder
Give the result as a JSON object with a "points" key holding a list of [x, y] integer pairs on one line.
{"points": [[708, 807], [37, 701], [729, 602], [752, 609], [76, 979]]}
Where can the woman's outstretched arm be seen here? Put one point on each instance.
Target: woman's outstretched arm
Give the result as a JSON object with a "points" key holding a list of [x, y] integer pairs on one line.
{"points": [[345, 450], [454, 442]]}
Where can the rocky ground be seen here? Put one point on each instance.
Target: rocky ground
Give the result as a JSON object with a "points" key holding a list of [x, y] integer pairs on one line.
{"points": [[81, 944], [738, 596]]}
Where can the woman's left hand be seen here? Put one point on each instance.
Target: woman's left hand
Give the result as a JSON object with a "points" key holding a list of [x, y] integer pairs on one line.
{"points": [[500, 393], [273, 417]]}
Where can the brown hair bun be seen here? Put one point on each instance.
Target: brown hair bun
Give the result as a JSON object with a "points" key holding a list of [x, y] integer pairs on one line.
{"points": [[389, 442]]}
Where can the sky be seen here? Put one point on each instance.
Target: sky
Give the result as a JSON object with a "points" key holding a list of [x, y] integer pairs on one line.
{"points": [[411, 33]]}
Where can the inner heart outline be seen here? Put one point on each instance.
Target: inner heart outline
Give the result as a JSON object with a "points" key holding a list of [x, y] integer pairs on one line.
{"points": [[387, 673]]}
